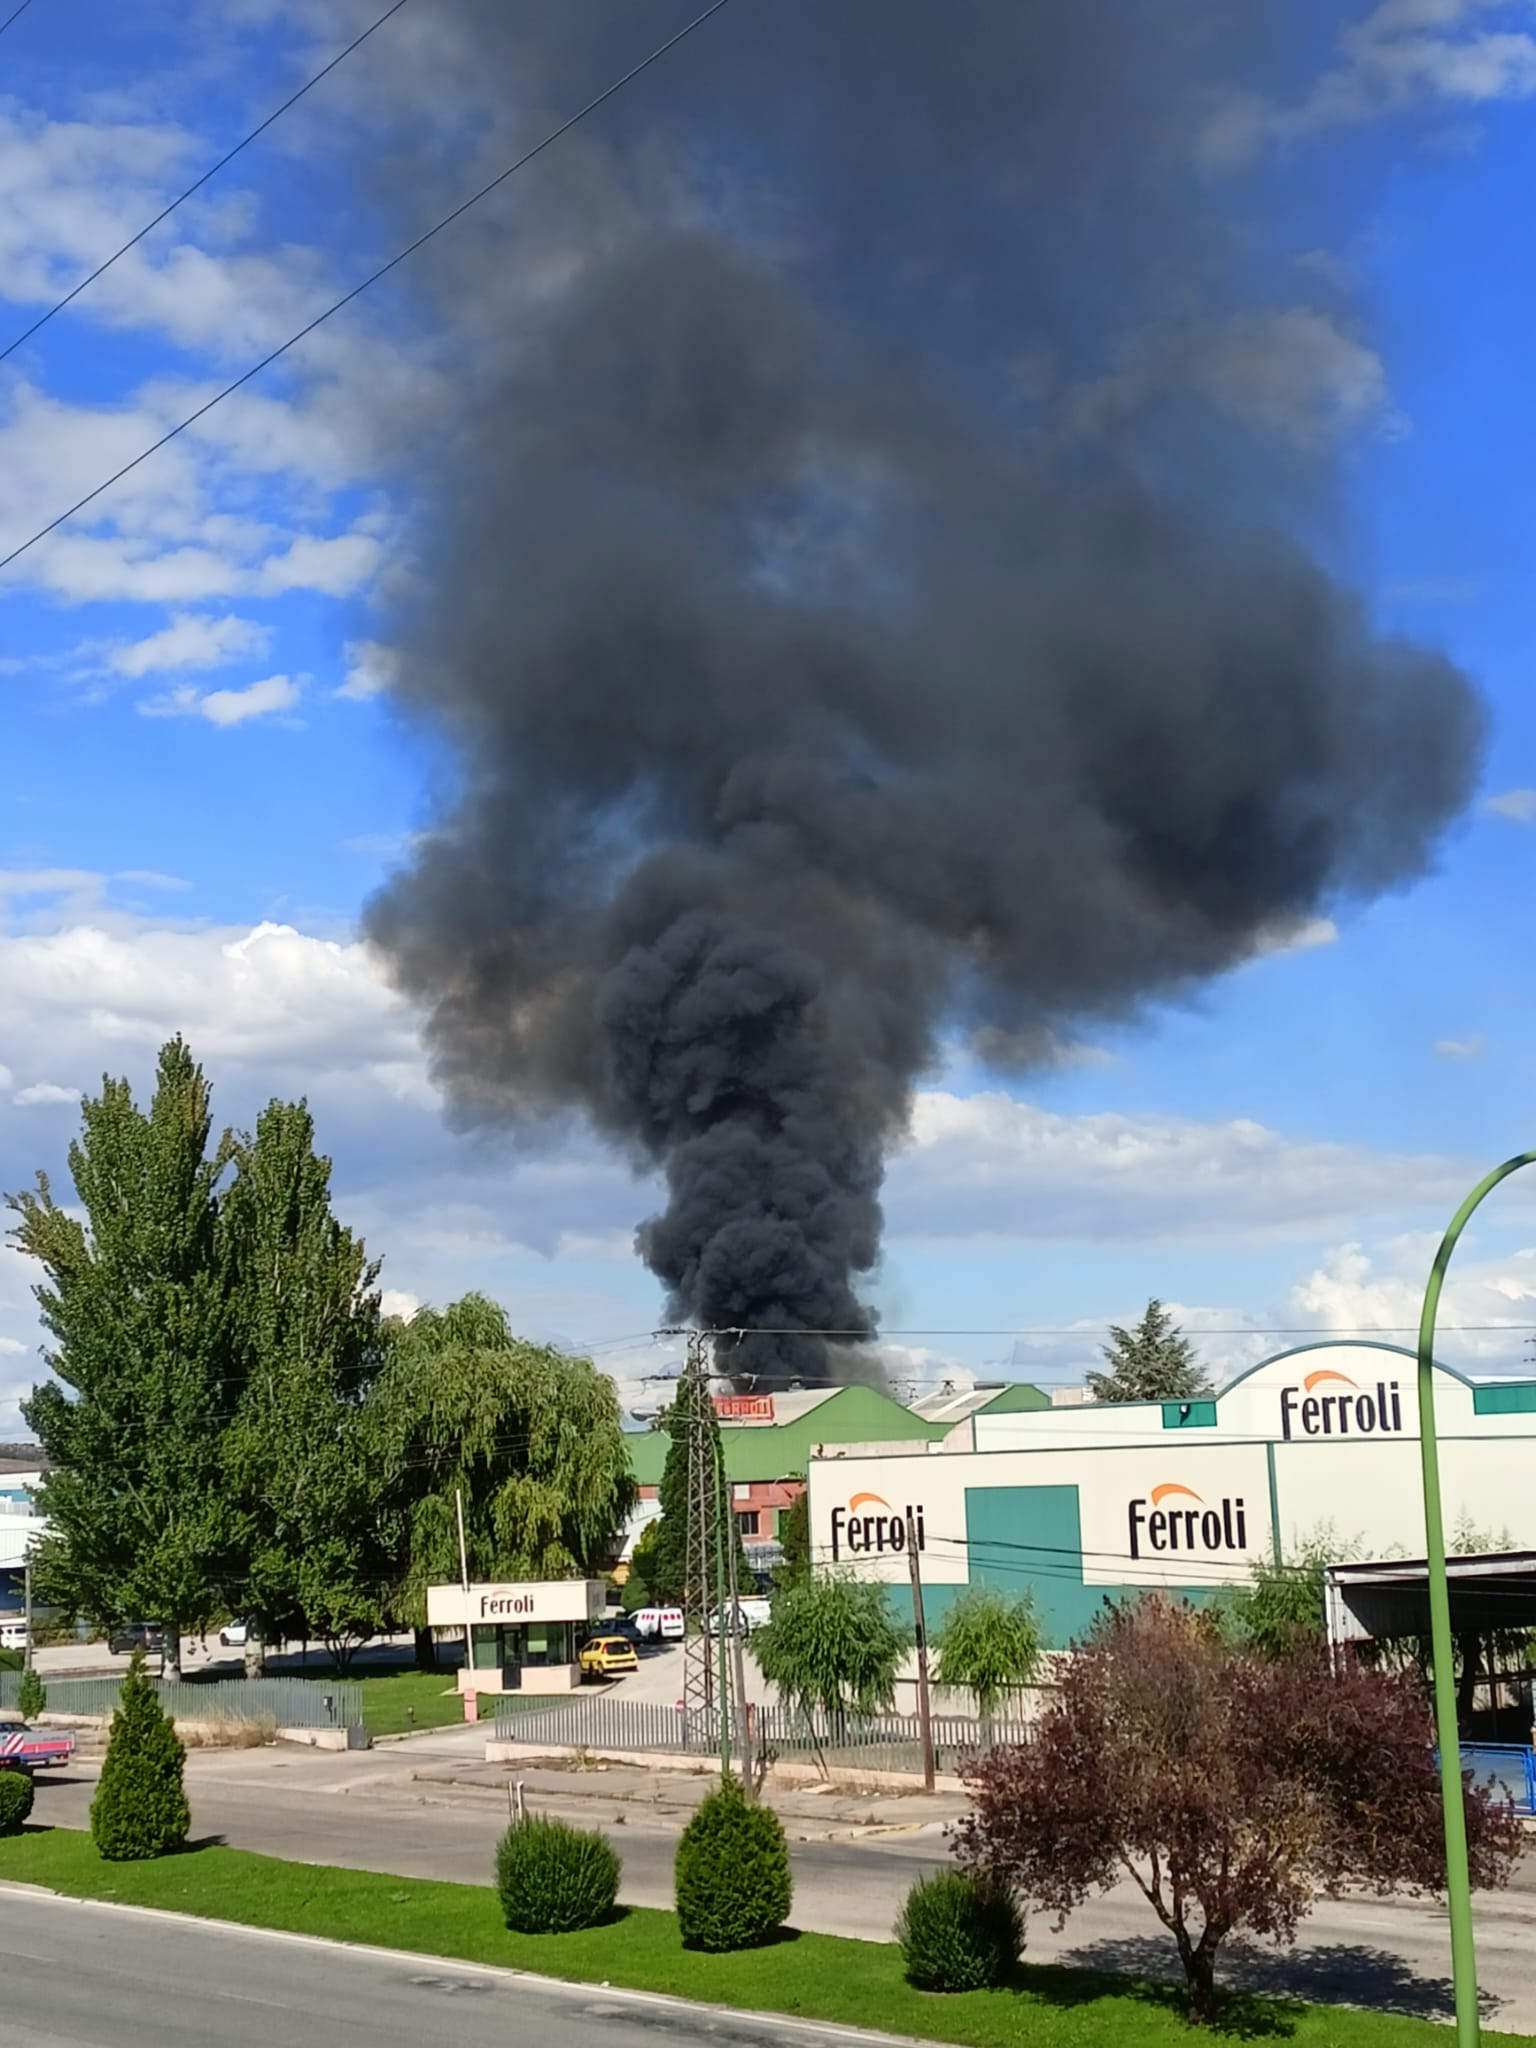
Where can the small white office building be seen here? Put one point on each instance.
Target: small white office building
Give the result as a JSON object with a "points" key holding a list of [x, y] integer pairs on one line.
{"points": [[519, 1637]]}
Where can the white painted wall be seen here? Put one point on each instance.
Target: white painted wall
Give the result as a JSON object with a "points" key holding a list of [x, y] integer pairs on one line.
{"points": [[1339, 1423]]}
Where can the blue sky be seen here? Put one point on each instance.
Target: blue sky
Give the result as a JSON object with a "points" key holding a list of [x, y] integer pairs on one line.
{"points": [[199, 744]]}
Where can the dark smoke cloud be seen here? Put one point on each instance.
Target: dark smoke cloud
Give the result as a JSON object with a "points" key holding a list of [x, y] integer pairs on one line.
{"points": [[814, 680]]}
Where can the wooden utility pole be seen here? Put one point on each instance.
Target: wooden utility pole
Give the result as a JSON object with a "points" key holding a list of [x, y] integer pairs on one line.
{"points": [[924, 1716], [26, 1580]]}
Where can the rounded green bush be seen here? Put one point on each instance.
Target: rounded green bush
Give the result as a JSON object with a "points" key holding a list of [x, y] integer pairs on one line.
{"points": [[31, 1696], [959, 1933], [553, 1878], [140, 1809], [733, 1881], [16, 1794]]}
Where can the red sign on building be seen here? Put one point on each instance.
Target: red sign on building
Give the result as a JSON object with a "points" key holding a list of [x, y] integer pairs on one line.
{"points": [[744, 1407]]}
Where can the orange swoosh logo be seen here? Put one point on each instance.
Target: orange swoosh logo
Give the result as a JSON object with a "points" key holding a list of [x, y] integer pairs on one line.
{"points": [[864, 1500], [1161, 1493], [1315, 1379]]}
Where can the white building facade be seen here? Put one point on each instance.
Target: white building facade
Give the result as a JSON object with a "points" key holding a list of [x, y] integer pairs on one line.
{"points": [[1079, 1505]]}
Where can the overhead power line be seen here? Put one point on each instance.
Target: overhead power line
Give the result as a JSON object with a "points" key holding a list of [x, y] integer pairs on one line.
{"points": [[384, 269], [198, 184], [15, 15]]}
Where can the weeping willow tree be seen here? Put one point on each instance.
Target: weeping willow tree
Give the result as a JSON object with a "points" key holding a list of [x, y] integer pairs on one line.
{"points": [[530, 1438]]}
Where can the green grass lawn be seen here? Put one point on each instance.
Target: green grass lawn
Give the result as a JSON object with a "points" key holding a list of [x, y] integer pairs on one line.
{"points": [[815, 1976], [396, 1701]]}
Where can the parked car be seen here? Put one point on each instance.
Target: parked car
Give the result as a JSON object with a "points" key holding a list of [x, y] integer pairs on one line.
{"points": [[23, 1748], [661, 1624], [748, 1614], [13, 1635], [607, 1657], [234, 1635], [136, 1635], [623, 1625]]}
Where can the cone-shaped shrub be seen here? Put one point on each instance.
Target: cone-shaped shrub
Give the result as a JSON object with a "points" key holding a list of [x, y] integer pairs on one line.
{"points": [[553, 1878], [733, 1882], [31, 1695], [15, 1800], [958, 1933], [140, 1809]]}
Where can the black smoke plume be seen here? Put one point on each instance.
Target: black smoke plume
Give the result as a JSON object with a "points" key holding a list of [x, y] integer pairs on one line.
{"points": [[861, 597]]}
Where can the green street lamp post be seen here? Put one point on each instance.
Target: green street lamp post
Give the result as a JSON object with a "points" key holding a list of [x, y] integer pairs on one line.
{"points": [[1458, 1884]]}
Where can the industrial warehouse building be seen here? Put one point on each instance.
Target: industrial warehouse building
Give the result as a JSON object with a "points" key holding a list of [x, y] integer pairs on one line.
{"points": [[768, 1441], [1076, 1506]]}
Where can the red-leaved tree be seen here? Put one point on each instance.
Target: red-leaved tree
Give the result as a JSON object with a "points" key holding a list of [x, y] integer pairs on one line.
{"points": [[1234, 1790]]}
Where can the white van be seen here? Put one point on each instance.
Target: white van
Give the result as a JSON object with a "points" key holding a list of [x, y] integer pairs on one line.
{"points": [[660, 1624], [13, 1635], [754, 1613]]}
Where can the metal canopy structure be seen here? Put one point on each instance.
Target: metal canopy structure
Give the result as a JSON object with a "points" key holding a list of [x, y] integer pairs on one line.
{"points": [[1491, 1591]]}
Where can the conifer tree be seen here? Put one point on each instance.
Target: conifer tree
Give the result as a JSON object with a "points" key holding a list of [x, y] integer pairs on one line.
{"points": [[140, 1809], [1153, 1362]]}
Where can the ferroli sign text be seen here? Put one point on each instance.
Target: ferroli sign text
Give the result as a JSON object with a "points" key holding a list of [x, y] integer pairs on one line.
{"points": [[1175, 1517], [494, 1606], [1342, 1408], [859, 1530]]}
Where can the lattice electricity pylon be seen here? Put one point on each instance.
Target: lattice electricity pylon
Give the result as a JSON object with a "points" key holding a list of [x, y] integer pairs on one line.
{"points": [[712, 1713]]}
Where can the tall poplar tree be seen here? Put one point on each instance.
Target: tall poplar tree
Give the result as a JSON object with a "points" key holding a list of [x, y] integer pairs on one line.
{"points": [[301, 1450], [136, 1298]]}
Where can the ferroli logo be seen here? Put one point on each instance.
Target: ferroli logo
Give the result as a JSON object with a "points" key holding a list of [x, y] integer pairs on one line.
{"points": [[1196, 1529], [867, 1535], [1348, 1410], [516, 1603]]}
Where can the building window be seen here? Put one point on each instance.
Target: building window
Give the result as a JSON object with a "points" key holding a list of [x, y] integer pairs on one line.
{"points": [[746, 1521]]}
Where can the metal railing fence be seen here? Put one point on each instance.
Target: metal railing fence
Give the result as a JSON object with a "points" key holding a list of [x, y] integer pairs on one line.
{"points": [[882, 1742], [288, 1702]]}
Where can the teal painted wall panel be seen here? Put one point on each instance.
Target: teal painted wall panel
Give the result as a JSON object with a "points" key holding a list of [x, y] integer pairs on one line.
{"points": [[1029, 1539]]}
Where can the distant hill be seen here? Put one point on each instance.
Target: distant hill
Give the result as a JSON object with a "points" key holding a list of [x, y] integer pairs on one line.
{"points": [[28, 1456]]}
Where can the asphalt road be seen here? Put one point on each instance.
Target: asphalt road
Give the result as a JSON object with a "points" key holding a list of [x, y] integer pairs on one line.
{"points": [[1390, 1954], [90, 1976]]}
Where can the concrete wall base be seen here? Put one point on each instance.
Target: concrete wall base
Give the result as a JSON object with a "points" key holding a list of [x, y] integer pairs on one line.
{"points": [[789, 1775], [328, 1738], [530, 1678]]}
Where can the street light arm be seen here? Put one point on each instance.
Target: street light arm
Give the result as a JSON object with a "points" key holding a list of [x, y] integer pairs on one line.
{"points": [[1458, 1884]]}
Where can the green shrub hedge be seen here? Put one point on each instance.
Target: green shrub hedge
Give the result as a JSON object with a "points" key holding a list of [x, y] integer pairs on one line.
{"points": [[957, 1932], [553, 1878], [16, 1794], [733, 1881]]}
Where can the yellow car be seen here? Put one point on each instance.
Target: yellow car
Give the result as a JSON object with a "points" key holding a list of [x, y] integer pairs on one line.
{"points": [[607, 1657]]}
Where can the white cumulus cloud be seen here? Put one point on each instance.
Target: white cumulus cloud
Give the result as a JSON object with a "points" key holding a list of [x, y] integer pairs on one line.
{"points": [[191, 640], [372, 668], [41, 1092], [226, 707], [1518, 805]]}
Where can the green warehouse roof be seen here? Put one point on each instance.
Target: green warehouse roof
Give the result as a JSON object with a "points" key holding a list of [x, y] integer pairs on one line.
{"points": [[762, 1450]]}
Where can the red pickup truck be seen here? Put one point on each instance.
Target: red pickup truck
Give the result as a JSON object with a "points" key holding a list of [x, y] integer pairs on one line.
{"points": [[28, 1749]]}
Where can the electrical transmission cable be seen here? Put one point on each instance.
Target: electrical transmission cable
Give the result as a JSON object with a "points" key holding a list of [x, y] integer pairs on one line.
{"points": [[15, 15], [373, 278], [212, 171]]}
